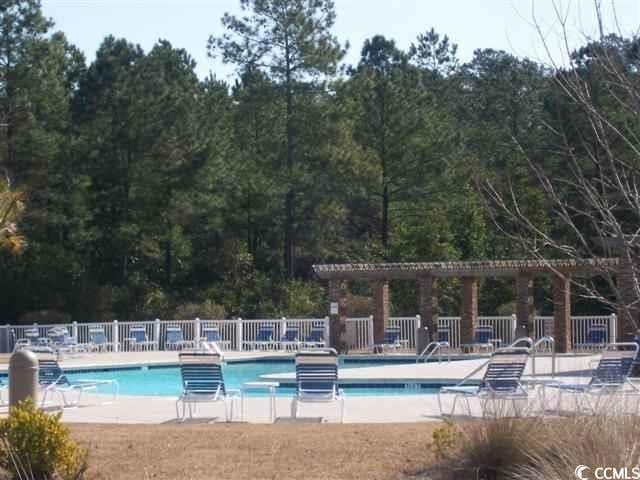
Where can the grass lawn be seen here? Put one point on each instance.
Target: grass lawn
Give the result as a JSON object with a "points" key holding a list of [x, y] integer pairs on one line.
{"points": [[243, 451]]}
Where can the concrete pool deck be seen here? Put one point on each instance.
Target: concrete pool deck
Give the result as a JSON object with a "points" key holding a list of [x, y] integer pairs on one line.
{"points": [[448, 372], [415, 407]]}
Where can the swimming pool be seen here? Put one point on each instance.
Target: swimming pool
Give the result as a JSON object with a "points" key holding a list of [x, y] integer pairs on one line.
{"points": [[166, 381]]}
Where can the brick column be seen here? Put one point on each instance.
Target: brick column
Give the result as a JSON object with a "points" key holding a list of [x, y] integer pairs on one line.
{"points": [[337, 322], [469, 314], [524, 303], [380, 290], [562, 312], [428, 305], [628, 310]]}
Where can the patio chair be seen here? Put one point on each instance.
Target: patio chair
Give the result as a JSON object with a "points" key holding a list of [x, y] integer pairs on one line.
{"points": [[33, 335], [61, 341], [53, 381], [315, 339], [317, 380], [444, 335], [596, 338], [174, 339], [483, 340], [391, 340], [33, 341], [19, 343], [501, 381], [138, 339], [610, 377], [212, 335], [203, 382], [98, 341], [264, 338], [291, 338]]}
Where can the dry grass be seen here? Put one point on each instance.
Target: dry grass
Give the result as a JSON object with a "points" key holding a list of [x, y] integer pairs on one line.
{"points": [[535, 448], [309, 451], [592, 441]]}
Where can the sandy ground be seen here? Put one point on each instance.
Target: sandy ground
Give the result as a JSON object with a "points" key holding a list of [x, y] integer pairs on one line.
{"points": [[243, 451]]}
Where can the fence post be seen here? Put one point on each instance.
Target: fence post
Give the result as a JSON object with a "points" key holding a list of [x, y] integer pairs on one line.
{"points": [[327, 330], [613, 331], [370, 332], [156, 332], [514, 328], [196, 332], [7, 340], [74, 330], [114, 336], [283, 326], [239, 334]]}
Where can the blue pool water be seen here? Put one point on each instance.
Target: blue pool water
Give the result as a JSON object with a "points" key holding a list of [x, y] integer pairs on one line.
{"points": [[165, 381]]}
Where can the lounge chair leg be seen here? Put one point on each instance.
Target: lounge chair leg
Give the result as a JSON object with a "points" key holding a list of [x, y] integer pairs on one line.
{"points": [[468, 405], [440, 404], [453, 408], [294, 408], [559, 402]]}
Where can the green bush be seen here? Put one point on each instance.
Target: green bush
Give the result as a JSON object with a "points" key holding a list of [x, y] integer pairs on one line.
{"points": [[37, 445], [206, 310], [445, 441], [300, 299]]}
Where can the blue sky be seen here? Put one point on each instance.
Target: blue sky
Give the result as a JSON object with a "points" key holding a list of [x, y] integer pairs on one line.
{"points": [[498, 24]]}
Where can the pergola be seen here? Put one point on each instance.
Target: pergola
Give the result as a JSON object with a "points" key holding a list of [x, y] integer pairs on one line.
{"points": [[426, 275]]}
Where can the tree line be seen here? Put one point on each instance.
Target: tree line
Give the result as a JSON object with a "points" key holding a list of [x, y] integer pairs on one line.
{"points": [[149, 192]]}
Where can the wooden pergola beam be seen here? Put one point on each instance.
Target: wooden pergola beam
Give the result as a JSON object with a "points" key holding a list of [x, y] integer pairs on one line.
{"points": [[482, 268]]}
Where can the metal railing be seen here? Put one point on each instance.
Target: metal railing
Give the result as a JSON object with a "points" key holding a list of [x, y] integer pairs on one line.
{"points": [[239, 334], [359, 333], [450, 326], [431, 349], [588, 333], [549, 343], [504, 327]]}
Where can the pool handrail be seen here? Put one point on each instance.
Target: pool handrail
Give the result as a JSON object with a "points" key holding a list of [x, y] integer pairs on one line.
{"points": [[437, 346], [516, 343], [546, 340]]}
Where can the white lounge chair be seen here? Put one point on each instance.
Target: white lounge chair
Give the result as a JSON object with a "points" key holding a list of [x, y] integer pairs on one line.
{"points": [[138, 339], [609, 378], [53, 380], [212, 335], [98, 341], [264, 338], [501, 381], [203, 382], [317, 379], [174, 339]]}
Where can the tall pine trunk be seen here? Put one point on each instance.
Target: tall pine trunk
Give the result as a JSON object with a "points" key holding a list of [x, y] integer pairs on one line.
{"points": [[289, 201]]}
